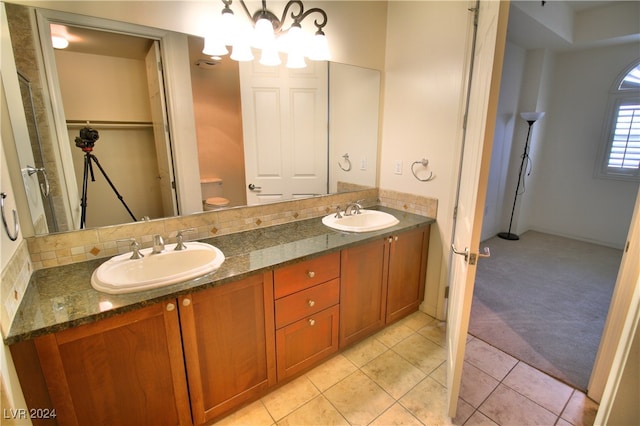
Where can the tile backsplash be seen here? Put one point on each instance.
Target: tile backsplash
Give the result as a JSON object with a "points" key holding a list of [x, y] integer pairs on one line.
{"points": [[71, 247]]}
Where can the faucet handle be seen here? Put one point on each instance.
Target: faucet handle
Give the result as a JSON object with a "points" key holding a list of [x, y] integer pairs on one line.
{"points": [[338, 215], [180, 239], [135, 248]]}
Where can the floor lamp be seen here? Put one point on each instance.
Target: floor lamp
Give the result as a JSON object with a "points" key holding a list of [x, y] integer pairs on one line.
{"points": [[530, 117]]}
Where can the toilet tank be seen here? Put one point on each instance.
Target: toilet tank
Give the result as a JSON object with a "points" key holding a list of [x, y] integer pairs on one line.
{"points": [[210, 187]]}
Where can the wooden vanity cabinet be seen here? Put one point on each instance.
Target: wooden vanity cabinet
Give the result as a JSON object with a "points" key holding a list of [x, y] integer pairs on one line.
{"points": [[126, 369], [306, 313], [363, 290], [407, 272], [381, 282], [228, 336]]}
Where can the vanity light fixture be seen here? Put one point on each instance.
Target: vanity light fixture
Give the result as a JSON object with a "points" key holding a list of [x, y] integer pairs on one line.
{"points": [[263, 30]]}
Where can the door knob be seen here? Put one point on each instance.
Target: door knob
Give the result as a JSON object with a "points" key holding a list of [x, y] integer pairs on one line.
{"points": [[252, 187]]}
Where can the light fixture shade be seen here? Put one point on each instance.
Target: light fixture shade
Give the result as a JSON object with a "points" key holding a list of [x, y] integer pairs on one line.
{"points": [[270, 56], [241, 52], [263, 34], [214, 46], [532, 116], [319, 50], [59, 42], [229, 28]]}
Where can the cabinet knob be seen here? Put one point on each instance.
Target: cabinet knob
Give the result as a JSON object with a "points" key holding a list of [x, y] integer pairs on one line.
{"points": [[312, 322], [311, 274], [311, 302], [395, 238], [186, 302], [170, 307]]}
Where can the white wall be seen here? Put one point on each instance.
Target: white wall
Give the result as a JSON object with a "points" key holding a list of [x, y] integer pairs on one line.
{"points": [[568, 200], [425, 61], [500, 191]]}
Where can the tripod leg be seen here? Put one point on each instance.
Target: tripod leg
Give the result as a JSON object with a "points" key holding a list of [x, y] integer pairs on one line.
{"points": [[95, 159], [83, 200]]}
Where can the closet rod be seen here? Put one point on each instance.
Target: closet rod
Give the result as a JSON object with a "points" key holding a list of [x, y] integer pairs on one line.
{"points": [[109, 124]]}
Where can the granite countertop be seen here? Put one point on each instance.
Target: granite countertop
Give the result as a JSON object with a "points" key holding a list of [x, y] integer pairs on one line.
{"points": [[62, 297]]}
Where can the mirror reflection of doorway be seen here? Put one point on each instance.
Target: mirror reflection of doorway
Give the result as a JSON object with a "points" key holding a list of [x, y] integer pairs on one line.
{"points": [[115, 87]]}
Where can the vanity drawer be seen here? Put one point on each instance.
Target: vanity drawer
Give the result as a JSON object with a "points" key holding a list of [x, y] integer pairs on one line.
{"points": [[300, 276], [307, 302], [305, 343]]}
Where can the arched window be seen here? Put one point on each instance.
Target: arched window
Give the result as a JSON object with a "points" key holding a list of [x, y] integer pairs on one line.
{"points": [[621, 158]]}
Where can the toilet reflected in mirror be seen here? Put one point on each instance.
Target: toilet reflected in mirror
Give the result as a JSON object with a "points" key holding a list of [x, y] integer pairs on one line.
{"points": [[212, 199]]}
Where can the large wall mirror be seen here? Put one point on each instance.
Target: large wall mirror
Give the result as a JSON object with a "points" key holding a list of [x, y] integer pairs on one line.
{"points": [[324, 140]]}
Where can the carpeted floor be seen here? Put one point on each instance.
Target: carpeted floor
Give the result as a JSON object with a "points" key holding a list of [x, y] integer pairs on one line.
{"points": [[544, 299]]}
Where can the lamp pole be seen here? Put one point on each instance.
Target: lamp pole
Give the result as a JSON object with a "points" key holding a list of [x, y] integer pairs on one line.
{"points": [[530, 117]]}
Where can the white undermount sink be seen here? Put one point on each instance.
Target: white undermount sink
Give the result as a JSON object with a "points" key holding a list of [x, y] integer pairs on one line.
{"points": [[365, 221], [121, 274]]}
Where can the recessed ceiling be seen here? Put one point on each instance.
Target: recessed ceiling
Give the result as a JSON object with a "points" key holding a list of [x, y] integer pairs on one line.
{"points": [[85, 40]]}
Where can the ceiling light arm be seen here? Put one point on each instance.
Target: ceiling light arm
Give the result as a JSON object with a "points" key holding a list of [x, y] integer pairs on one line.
{"points": [[298, 18]]}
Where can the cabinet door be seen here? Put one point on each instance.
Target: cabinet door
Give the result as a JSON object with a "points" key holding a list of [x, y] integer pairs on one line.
{"points": [[363, 290], [127, 369], [306, 342], [407, 271], [229, 344]]}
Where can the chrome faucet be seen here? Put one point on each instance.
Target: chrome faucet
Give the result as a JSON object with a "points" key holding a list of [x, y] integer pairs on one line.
{"points": [[351, 207], [180, 239], [158, 244], [135, 249]]}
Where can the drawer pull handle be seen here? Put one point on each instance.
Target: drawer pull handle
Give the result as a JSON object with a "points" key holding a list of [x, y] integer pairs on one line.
{"points": [[312, 322], [170, 307], [311, 303], [186, 302], [311, 274]]}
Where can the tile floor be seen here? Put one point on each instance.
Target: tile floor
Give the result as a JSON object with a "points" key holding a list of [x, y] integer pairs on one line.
{"points": [[397, 377]]}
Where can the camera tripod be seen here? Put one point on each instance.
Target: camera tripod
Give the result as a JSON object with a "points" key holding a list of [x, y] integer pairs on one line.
{"points": [[85, 142]]}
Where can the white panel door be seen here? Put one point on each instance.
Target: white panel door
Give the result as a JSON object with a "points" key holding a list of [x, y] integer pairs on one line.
{"points": [[476, 158], [284, 120]]}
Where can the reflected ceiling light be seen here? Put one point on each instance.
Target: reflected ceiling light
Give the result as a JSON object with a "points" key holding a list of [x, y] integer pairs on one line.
{"points": [[59, 42], [266, 32]]}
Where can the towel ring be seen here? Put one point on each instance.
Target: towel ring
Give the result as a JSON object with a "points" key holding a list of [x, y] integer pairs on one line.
{"points": [[346, 158], [424, 162], [16, 226]]}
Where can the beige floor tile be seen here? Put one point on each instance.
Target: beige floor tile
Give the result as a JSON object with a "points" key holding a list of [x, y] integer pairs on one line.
{"points": [[318, 411], [417, 320], [284, 400], [476, 385], [365, 351], [489, 359], [440, 374], [253, 414], [331, 372], [580, 411], [421, 352], [394, 334], [359, 399], [479, 419], [393, 374], [436, 331], [507, 407], [396, 415], [537, 386], [428, 402]]}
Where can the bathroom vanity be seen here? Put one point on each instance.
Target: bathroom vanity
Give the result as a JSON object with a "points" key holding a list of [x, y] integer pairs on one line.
{"points": [[286, 298]]}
